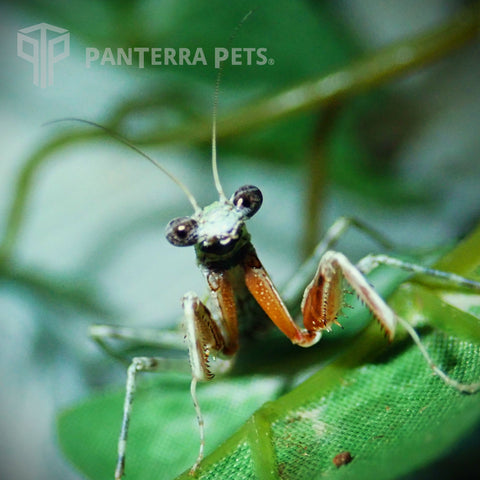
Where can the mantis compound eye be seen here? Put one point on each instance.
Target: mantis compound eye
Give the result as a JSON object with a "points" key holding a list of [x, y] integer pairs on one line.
{"points": [[249, 199], [182, 232]]}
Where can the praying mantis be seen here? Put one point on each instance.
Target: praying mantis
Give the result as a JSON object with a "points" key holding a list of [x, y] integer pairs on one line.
{"points": [[242, 296], [243, 301]]}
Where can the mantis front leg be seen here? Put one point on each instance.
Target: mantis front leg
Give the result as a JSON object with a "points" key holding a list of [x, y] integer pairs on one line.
{"points": [[322, 299], [205, 342]]}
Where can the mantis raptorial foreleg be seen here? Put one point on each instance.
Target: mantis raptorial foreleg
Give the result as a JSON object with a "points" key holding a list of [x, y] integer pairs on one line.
{"points": [[330, 298], [322, 299], [205, 342]]}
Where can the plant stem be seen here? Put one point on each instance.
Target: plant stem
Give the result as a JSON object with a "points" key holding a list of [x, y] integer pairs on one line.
{"points": [[373, 70]]}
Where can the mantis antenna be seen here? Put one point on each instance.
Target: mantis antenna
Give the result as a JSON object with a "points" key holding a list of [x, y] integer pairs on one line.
{"points": [[126, 142], [216, 177]]}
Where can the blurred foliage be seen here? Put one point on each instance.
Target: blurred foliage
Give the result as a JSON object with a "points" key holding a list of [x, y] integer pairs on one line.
{"points": [[341, 124], [346, 158], [185, 93]]}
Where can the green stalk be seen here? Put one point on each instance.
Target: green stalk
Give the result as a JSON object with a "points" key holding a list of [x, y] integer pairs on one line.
{"points": [[373, 70]]}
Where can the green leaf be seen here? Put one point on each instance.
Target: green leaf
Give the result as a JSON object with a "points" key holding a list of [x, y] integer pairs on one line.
{"points": [[164, 434], [380, 402]]}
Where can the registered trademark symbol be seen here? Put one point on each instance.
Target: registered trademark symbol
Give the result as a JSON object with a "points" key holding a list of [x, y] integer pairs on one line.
{"points": [[271, 61]]}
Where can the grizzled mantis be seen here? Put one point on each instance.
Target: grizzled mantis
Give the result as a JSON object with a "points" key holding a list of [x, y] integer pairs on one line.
{"points": [[242, 295]]}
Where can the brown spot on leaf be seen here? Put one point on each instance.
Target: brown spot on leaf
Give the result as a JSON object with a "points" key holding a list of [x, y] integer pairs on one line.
{"points": [[342, 458]]}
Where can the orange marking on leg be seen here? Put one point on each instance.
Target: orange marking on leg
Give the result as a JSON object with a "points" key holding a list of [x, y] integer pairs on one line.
{"points": [[262, 289], [226, 301], [322, 301]]}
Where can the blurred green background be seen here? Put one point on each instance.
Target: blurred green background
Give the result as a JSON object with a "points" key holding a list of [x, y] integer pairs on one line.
{"points": [[89, 247]]}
